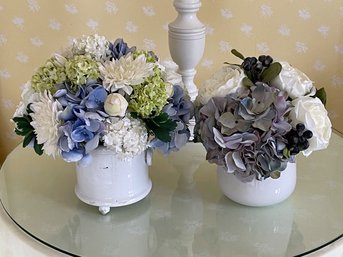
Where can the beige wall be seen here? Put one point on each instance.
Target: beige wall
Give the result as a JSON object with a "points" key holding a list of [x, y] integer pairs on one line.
{"points": [[306, 33]]}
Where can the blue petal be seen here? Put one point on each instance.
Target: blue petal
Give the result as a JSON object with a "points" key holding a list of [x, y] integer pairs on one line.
{"points": [[96, 98], [81, 134], [63, 144], [79, 112], [67, 114], [93, 126], [92, 144], [72, 156], [93, 116], [103, 114], [60, 93], [180, 140]]}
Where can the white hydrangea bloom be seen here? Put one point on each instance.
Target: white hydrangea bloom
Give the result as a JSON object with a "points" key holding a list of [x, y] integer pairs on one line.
{"points": [[125, 72], [46, 123], [126, 136], [28, 95], [95, 45]]}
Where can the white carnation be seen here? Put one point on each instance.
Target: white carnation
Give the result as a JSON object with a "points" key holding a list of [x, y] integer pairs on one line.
{"points": [[126, 136], [125, 72], [46, 123], [225, 81], [95, 45]]}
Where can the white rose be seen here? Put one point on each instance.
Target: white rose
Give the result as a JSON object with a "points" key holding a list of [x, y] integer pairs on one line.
{"points": [[116, 105], [312, 113], [225, 81], [293, 81]]}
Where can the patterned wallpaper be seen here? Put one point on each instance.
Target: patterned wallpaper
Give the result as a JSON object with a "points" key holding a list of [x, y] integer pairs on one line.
{"points": [[308, 34]]}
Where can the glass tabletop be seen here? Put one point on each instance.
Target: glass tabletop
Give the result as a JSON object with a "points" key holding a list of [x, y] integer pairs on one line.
{"points": [[184, 215]]}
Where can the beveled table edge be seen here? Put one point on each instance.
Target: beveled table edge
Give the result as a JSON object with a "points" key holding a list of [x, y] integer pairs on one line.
{"points": [[35, 237]]}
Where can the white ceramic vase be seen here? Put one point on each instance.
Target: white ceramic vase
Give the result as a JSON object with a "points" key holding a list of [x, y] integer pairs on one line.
{"points": [[258, 192], [112, 182]]}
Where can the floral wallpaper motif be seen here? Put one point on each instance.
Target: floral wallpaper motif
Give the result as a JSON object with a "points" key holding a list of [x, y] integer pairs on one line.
{"points": [[306, 34]]}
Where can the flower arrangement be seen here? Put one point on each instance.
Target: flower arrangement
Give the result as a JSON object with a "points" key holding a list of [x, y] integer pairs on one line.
{"points": [[255, 117], [98, 93]]}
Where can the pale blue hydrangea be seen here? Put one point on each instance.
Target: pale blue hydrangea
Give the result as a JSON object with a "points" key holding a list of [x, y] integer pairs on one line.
{"points": [[83, 120], [180, 109], [119, 48]]}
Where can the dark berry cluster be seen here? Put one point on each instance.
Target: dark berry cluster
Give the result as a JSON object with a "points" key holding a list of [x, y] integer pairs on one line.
{"points": [[255, 66], [297, 139]]}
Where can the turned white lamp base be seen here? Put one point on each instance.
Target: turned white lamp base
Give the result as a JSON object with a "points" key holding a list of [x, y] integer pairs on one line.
{"points": [[187, 42]]}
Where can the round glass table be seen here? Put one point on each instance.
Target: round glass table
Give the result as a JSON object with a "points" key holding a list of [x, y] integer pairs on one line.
{"points": [[184, 215]]}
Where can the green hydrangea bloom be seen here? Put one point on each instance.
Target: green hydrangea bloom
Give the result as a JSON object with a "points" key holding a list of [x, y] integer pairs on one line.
{"points": [[80, 68], [150, 97], [149, 55], [48, 76]]}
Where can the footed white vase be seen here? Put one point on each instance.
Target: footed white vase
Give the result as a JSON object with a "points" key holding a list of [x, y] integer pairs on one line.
{"points": [[258, 193], [112, 182]]}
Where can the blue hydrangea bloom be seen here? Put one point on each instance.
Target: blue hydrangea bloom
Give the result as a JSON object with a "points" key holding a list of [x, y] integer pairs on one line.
{"points": [[119, 48], [95, 99], [83, 117], [179, 109]]}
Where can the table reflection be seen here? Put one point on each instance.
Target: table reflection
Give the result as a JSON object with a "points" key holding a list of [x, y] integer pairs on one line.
{"points": [[185, 214], [265, 231], [124, 232]]}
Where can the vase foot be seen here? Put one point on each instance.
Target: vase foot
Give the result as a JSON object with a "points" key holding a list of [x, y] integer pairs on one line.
{"points": [[104, 210]]}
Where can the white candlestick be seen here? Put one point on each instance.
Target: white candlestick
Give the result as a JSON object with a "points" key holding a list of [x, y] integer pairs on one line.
{"points": [[187, 41]]}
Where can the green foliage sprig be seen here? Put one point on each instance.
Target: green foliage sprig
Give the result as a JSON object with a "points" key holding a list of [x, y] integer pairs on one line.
{"points": [[160, 125], [24, 128]]}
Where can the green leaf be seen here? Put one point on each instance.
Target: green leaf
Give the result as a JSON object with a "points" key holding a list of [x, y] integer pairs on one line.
{"points": [[163, 120], [19, 119], [19, 132], [321, 94], [234, 64], [247, 82], [275, 174], [286, 152], [163, 135], [271, 72], [28, 138], [24, 125], [237, 54], [161, 126], [38, 147], [28, 109], [134, 115]]}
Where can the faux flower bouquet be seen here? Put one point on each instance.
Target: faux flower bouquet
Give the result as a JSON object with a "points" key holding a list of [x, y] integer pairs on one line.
{"points": [[102, 93], [255, 117]]}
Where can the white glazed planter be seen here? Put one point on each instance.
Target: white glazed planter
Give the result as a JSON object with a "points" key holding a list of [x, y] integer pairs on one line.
{"points": [[258, 193], [112, 182]]}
